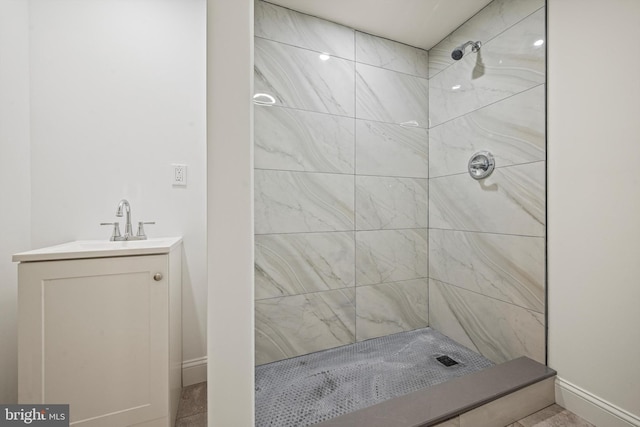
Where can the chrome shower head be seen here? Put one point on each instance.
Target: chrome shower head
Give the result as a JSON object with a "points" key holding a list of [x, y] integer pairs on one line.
{"points": [[458, 52]]}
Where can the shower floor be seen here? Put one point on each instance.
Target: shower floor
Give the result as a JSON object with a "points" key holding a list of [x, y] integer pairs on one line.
{"points": [[316, 387]]}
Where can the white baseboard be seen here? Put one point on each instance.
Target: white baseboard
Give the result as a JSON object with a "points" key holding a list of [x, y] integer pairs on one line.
{"points": [[592, 408], [194, 371]]}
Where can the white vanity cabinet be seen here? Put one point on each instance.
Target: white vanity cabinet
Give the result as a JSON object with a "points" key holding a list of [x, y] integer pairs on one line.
{"points": [[99, 328]]}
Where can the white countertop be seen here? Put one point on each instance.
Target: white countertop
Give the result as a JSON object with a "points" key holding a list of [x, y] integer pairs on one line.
{"points": [[99, 249]]}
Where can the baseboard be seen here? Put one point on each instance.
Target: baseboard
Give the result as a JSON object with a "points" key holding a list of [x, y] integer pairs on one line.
{"points": [[194, 371], [592, 408]]}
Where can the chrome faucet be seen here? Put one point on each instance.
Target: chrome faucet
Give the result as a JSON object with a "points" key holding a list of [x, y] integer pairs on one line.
{"points": [[128, 229]]}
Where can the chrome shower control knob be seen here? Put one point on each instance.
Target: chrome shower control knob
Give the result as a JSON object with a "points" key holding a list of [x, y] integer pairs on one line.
{"points": [[481, 165], [157, 277]]}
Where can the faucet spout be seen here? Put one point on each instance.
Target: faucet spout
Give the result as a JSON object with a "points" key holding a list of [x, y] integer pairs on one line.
{"points": [[128, 229]]}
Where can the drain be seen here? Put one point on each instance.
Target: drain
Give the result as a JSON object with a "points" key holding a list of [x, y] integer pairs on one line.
{"points": [[446, 361]]}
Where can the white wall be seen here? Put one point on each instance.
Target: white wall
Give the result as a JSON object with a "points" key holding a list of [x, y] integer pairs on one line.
{"points": [[230, 212], [594, 207], [14, 178], [117, 95]]}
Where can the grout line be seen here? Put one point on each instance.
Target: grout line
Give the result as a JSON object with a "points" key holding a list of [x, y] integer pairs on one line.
{"points": [[343, 174], [340, 231], [426, 129], [342, 57], [486, 232], [497, 167], [308, 49], [340, 25], [413, 178], [288, 107], [305, 172], [488, 105], [305, 232], [393, 71], [391, 40], [428, 209], [546, 188], [333, 55], [486, 296], [392, 282], [353, 287], [355, 195]]}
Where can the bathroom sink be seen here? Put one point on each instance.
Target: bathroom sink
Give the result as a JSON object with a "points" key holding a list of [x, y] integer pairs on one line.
{"points": [[99, 249]]}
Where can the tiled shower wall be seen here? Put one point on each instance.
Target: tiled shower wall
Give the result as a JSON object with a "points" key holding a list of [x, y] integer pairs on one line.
{"points": [[341, 187], [486, 238]]}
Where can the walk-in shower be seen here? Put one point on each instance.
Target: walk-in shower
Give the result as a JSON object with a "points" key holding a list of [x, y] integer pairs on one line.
{"points": [[381, 266]]}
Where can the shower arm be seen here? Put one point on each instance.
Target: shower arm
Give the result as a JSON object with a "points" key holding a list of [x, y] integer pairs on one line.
{"points": [[475, 46]]}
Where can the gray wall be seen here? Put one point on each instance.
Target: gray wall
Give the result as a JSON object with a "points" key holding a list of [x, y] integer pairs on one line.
{"points": [[486, 238], [340, 186]]}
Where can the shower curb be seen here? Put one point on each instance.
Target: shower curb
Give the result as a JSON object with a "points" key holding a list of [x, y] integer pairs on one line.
{"points": [[442, 402]]}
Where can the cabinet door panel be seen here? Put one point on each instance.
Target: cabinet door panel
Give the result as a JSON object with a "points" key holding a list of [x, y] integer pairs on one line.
{"points": [[103, 334]]}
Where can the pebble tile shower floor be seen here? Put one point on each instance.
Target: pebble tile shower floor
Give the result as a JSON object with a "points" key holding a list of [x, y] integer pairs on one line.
{"points": [[316, 387]]}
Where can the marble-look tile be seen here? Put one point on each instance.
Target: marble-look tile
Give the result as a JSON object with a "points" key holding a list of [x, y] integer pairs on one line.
{"points": [[509, 64], [289, 139], [496, 17], [390, 256], [391, 55], [499, 331], [511, 407], [390, 308], [291, 326], [513, 130], [391, 97], [391, 150], [553, 416], [295, 28], [292, 264], [288, 202], [298, 78], [508, 268], [390, 203], [510, 201]]}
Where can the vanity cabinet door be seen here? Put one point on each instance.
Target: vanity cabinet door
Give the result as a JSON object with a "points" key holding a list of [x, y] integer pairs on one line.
{"points": [[94, 334]]}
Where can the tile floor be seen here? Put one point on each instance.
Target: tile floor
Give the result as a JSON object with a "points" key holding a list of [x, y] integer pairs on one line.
{"points": [[316, 387], [192, 412], [552, 416]]}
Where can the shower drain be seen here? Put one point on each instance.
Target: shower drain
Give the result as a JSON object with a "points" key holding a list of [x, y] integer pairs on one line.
{"points": [[319, 386], [446, 361]]}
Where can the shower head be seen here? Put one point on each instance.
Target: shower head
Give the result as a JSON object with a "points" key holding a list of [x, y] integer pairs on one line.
{"points": [[458, 52]]}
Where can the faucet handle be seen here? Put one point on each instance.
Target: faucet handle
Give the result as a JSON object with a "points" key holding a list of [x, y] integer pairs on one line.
{"points": [[140, 234], [116, 230]]}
